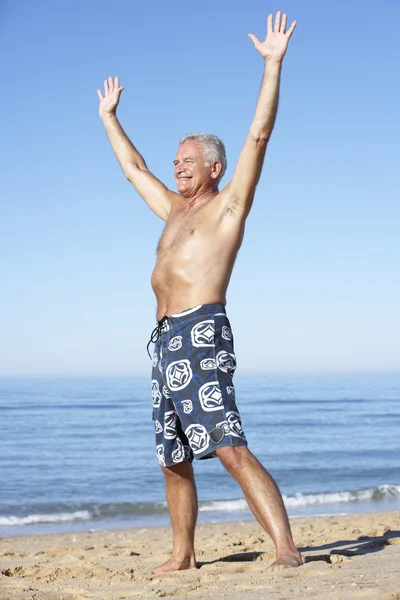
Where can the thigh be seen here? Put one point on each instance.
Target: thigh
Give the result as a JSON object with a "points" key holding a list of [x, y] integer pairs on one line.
{"points": [[171, 443], [199, 376]]}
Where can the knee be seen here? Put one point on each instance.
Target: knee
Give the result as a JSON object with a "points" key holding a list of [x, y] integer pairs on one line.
{"points": [[182, 469], [233, 458]]}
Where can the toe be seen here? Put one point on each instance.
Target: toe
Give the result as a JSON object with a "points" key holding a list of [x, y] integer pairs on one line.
{"points": [[285, 561]]}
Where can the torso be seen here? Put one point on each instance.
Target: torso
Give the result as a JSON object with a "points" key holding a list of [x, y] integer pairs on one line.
{"points": [[195, 256]]}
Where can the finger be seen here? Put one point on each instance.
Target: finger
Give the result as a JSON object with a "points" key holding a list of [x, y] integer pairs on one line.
{"points": [[106, 87], [269, 27], [278, 20], [283, 24], [100, 95], [116, 82], [254, 39], [111, 84], [292, 28]]}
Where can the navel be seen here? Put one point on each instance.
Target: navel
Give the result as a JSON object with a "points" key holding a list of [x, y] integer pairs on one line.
{"points": [[192, 231]]}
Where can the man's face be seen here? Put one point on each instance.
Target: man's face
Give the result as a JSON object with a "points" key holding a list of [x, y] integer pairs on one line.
{"points": [[191, 173]]}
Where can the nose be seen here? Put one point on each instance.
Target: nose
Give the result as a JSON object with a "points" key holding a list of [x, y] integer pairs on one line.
{"points": [[179, 169]]}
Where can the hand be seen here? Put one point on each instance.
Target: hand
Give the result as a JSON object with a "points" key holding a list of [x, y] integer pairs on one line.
{"points": [[276, 42], [112, 93]]}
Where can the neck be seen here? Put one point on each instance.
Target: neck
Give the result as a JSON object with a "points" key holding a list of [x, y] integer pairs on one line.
{"points": [[202, 197]]}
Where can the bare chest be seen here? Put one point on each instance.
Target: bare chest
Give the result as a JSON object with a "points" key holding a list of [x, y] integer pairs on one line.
{"points": [[180, 230]]}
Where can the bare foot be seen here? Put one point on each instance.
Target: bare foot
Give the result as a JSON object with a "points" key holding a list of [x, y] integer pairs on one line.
{"points": [[285, 561], [176, 565]]}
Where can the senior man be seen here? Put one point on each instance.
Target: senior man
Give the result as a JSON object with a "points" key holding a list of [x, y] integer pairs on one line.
{"points": [[194, 408]]}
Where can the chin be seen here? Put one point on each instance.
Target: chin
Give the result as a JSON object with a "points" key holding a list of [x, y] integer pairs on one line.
{"points": [[183, 191]]}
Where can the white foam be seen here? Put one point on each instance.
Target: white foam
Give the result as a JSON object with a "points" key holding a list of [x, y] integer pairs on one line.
{"points": [[370, 494], [80, 515], [228, 505], [376, 493]]}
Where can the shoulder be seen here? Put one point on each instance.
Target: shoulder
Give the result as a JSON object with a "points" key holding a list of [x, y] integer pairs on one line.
{"points": [[176, 202], [175, 198]]}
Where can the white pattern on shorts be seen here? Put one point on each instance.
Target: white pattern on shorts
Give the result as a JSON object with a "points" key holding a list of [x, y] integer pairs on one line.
{"points": [[160, 454], [198, 437], [210, 396], [155, 393], [175, 343], [226, 333], [235, 424], [202, 333], [226, 361], [187, 406], [170, 424], [208, 364], [179, 374]]}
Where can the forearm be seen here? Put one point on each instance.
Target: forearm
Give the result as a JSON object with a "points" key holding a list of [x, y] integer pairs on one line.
{"points": [[267, 104], [124, 150]]}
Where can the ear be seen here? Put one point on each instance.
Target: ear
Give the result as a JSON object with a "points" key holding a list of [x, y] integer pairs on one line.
{"points": [[216, 169]]}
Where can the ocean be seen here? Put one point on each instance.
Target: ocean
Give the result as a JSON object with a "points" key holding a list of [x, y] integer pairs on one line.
{"points": [[78, 454]]}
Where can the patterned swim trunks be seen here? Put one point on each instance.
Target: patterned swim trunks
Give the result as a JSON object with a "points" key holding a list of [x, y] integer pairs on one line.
{"points": [[194, 409]]}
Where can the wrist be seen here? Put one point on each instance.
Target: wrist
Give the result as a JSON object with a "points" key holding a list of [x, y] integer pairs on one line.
{"points": [[273, 61], [108, 116]]}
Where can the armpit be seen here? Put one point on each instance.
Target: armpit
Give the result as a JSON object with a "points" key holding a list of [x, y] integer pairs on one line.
{"points": [[233, 206]]}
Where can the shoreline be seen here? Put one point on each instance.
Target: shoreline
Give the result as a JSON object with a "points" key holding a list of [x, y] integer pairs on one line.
{"points": [[161, 518], [346, 556]]}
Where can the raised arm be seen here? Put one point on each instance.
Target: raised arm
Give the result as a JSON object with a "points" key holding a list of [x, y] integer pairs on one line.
{"points": [[155, 194], [249, 166]]}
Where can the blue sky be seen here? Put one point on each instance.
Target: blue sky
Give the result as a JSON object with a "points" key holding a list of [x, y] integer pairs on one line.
{"points": [[316, 286]]}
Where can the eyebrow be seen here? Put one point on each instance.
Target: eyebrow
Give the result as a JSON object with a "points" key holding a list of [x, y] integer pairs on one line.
{"points": [[185, 158]]}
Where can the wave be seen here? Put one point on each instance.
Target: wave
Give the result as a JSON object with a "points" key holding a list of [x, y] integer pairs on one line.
{"points": [[79, 515], [98, 512], [378, 493]]}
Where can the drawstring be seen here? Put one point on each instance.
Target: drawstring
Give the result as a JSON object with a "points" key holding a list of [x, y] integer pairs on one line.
{"points": [[157, 331]]}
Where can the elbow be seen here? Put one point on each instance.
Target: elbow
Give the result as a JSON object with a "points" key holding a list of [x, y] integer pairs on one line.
{"points": [[262, 141], [261, 138]]}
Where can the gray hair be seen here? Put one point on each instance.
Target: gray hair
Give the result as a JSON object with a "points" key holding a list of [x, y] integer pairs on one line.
{"points": [[212, 148]]}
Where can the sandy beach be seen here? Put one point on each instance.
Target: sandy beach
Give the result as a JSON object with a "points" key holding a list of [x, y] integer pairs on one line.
{"points": [[349, 556]]}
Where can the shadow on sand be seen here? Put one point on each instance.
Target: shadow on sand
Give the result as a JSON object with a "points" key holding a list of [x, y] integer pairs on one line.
{"points": [[341, 548]]}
